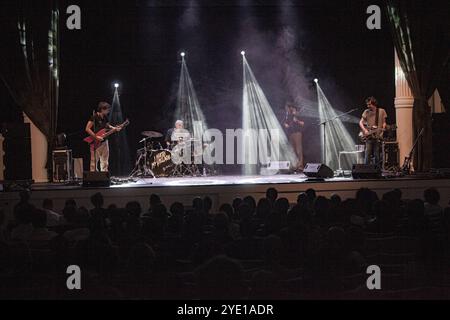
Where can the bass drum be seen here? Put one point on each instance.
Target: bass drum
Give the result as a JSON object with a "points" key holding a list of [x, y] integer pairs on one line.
{"points": [[160, 162]]}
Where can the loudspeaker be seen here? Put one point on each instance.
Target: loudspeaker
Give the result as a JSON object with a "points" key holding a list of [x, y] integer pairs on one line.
{"points": [[96, 179], [318, 171], [366, 171]]}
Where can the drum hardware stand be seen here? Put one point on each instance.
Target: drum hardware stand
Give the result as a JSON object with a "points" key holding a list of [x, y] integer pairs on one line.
{"points": [[144, 170]]}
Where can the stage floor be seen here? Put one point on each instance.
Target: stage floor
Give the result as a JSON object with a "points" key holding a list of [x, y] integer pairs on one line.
{"points": [[223, 189], [192, 181]]}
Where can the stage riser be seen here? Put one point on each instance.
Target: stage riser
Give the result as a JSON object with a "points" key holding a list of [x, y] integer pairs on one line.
{"points": [[226, 193]]}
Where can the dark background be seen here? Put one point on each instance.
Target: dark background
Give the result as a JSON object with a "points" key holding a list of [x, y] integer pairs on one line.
{"points": [[137, 43]]}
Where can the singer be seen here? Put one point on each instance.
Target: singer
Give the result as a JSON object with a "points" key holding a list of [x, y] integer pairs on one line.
{"points": [[294, 129]]}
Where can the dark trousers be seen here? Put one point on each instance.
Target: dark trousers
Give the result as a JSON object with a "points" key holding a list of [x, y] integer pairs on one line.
{"points": [[372, 155]]}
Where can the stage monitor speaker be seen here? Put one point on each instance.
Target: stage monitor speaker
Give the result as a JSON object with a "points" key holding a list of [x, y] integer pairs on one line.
{"points": [[318, 171], [366, 171], [96, 179]]}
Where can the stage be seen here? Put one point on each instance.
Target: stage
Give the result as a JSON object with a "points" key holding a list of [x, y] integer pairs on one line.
{"points": [[223, 189]]}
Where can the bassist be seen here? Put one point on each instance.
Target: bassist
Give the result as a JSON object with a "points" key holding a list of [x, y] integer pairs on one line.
{"points": [[100, 150], [372, 124]]}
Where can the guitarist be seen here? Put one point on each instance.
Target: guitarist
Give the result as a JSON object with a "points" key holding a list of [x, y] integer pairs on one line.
{"points": [[97, 122], [373, 120]]}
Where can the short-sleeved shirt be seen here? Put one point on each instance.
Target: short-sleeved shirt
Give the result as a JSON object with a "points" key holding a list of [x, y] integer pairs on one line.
{"points": [[174, 135], [369, 117], [99, 122]]}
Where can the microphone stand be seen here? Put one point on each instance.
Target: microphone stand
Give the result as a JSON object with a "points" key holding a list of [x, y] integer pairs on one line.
{"points": [[324, 124]]}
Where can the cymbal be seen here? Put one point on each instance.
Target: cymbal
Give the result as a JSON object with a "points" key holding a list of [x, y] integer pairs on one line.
{"points": [[152, 134]]}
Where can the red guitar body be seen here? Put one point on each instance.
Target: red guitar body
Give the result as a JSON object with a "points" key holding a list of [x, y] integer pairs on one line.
{"points": [[94, 143], [104, 133]]}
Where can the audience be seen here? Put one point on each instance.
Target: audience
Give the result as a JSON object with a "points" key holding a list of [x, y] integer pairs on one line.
{"points": [[263, 249], [53, 218]]}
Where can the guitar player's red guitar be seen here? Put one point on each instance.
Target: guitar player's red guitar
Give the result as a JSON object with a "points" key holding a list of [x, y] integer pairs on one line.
{"points": [[104, 133]]}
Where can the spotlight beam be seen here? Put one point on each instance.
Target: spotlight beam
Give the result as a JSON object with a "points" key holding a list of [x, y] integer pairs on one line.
{"points": [[336, 137], [188, 107], [258, 115]]}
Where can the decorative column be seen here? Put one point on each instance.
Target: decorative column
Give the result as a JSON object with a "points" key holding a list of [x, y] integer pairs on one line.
{"points": [[404, 103], [38, 152]]}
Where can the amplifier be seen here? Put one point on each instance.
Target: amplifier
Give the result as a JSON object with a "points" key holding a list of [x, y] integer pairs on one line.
{"points": [[62, 165]]}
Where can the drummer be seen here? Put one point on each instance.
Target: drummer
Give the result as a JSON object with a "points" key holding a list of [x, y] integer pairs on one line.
{"points": [[177, 134]]}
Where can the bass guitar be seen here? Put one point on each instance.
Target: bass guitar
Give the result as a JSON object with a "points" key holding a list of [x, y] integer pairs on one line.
{"points": [[104, 133]]}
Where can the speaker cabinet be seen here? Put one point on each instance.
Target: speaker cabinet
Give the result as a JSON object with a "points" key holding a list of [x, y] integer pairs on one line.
{"points": [[366, 171], [318, 171], [96, 179]]}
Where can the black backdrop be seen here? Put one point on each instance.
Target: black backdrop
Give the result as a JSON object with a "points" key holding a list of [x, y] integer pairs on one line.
{"points": [[137, 44]]}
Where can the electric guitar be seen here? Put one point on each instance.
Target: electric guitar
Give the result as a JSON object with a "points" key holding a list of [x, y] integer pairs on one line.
{"points": [[104, 133], [373, 133], [406, 168]]}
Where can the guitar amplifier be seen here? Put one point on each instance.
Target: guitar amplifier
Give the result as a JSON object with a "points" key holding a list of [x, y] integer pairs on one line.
{"points": [[391, 156], [62, 165]]}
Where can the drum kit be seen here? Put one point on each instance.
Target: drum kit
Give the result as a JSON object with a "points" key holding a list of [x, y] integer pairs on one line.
{"points": [[152, 160]]}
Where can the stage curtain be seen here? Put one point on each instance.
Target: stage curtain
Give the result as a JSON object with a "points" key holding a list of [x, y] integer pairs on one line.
{"points": [[444, 87], [29, 66], [420, 30]]}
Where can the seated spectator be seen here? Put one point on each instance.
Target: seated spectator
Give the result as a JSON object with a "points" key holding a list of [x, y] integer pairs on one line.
{"points": [[176, 219], [141, 259], [53, 218], [272, 195], [207, 205], [251, 202], [153, 201], [384, 220], [234, 224], [23, 216], [433, 211], [40, 231], [235, 204], [220, 278], [263, 209], [155, 226], [77, 221]]}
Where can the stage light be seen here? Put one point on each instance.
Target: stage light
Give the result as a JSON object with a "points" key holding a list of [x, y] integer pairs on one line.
{"points": [[182, 54], [243, 53], [334, 134], [188, 107], [120, 160], [258, 115], [316, 80]]}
